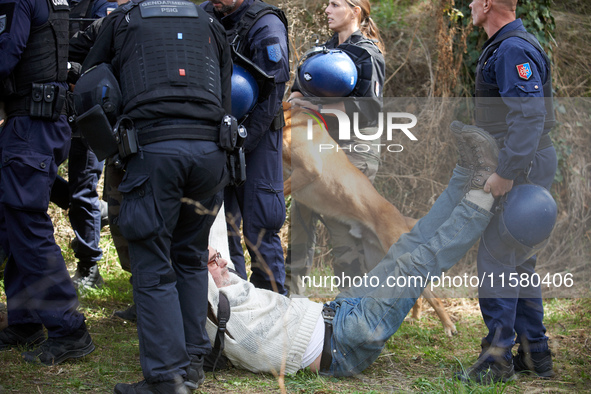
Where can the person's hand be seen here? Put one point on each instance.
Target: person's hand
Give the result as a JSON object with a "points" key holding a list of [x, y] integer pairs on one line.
{"points": [[300, 102], [497, 185]]}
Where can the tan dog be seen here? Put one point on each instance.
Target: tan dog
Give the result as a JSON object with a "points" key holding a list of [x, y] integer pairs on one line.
{"points": [[328, 182]]}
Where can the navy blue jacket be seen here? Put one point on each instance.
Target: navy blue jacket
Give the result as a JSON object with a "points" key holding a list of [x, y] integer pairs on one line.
{"points": [[20, 17], [525, 120], [266, 32]]}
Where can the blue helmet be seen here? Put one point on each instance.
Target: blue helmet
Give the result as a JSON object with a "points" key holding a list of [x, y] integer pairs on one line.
{"points": [[523, 226], [245, 92], [327, 73]]}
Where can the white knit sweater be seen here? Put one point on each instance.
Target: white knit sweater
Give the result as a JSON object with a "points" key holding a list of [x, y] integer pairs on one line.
{"points": [[269, 332]]}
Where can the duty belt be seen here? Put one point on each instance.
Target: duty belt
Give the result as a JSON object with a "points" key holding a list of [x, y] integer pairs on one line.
{"points": [[326, 359], [205, 131]]}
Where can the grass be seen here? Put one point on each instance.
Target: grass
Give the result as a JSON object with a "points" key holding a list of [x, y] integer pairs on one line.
{"points": [[419, 358]]}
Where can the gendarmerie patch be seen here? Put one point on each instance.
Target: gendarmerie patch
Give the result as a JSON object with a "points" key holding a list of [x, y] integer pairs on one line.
{"points": [[160, 8]]}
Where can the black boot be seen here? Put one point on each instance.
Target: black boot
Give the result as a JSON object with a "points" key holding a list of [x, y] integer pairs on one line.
{"points": [[174, 386], [56, 350], [195, 375], [485, 371], [21, 335], [87, 276], [539, 363], [129, 314]]}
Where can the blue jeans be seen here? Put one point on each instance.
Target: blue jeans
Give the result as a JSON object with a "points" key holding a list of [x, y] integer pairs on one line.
{"points": [[366, 317], [168, 239]]}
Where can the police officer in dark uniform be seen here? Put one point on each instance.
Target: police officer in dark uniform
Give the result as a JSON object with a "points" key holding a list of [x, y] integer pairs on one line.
{"points": [[84, 171], [34, 141], [258, 31], [80, 44], [174, 69], [513, 103], [356, 35]]}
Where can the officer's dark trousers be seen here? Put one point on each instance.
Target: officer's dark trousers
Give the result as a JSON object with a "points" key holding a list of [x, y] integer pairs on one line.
{"points": [[168, 235], [515, 313], [84, 171], [37, 284], [260, 204]]}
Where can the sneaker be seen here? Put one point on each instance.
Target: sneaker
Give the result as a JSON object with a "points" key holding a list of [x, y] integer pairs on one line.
{"points": [[57, 350], [174, 386], [487, 372], [129, 314], [21, 335], [539, 362], [195, 375], [87, 277], [478, 151]]}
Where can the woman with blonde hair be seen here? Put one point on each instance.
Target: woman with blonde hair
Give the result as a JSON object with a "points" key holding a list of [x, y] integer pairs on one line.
{"points": [[355, 34]]}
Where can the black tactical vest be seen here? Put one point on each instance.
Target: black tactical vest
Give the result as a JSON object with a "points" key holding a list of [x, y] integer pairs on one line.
{"points": [[364, 62], [40, 62], [167, 58], [490, 111], [237, 34], [80, 16]]}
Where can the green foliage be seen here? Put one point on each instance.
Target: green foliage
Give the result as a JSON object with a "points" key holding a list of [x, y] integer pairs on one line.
{"points": [[390, 13], [536, 17]]}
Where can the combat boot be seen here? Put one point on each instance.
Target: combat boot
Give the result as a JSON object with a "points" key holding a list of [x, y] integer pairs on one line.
{"points": [[56, 350], [195, 375], [87, 276], [478, 151], [539, 363], [21, 335], [485, 371], [173, 386], [129, 314]]}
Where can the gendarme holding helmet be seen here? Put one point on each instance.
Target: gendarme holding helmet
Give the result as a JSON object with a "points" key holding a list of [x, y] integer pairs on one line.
{"points": [[346, 74]]}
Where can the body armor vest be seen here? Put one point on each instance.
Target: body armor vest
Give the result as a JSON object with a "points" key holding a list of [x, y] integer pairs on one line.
{"points": [[490, 111], [40, 62], [364, 63], [237, 34], [166, 58], [80, 16]]}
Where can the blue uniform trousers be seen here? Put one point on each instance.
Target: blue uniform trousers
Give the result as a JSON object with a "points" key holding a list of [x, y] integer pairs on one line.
{"points": [[84, 171], [168, 240], [510, 310], [37, 284], [260, 204]]}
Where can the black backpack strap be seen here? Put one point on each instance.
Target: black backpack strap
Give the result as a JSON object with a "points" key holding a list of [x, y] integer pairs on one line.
{"points": [[256, 11], [223, 317]]}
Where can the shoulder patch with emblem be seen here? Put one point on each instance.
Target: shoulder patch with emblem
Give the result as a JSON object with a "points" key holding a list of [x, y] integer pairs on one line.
{"points": [[3, 23], [6, 13], [274, 52], [524, 71]]}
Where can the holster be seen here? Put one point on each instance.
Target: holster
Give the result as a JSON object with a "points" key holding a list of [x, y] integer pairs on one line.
{"points": [[237, 159], [127, 137], [228, 133], [237, 165], [47, 101]]}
